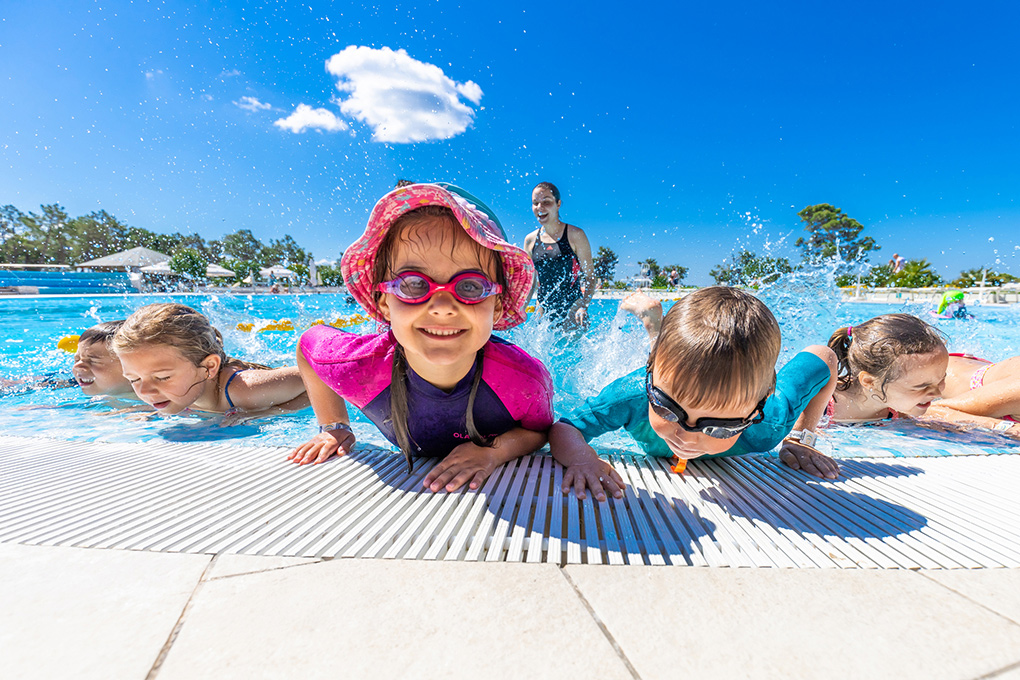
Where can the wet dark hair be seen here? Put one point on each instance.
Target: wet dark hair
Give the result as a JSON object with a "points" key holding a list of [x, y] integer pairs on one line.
{"points": [[398, 378], [874, 346], [550, 187], [717, 346], [101, 332]]}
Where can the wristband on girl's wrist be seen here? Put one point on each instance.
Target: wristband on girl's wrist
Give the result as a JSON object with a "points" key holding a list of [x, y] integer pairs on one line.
{"points": [[332, 427]]}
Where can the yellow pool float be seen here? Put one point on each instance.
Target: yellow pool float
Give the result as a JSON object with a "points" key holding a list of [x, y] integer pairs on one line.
{"points": [[288, 325], [68, 343]]}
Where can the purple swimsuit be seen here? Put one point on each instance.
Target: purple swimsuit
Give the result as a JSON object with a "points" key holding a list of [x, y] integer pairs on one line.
{"points": [[515, 390]]}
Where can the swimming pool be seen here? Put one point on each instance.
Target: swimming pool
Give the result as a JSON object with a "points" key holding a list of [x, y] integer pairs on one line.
{"points": [[615, 345]]}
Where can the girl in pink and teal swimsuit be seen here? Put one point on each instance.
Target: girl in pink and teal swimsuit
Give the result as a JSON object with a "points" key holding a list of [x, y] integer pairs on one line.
{"points": [[896, 364]]}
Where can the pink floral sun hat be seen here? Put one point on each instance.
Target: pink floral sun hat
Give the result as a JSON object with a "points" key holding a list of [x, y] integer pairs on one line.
{"points": [[475, 217]]}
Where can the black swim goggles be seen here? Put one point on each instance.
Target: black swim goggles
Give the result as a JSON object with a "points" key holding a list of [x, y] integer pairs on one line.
{"points": [[717, 428], [415, 288]]}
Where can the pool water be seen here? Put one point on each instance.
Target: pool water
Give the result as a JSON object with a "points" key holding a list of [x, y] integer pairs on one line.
{"points": [[615, 345]]}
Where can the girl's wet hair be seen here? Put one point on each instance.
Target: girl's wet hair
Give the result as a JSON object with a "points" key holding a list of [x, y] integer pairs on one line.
{"points": [[381, 271], [874, 346], [717, 347], [178, 326], [101, 332], [550, 187]]}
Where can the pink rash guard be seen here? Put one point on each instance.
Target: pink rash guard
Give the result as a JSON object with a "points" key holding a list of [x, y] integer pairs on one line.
{"points": [[515, 391]]}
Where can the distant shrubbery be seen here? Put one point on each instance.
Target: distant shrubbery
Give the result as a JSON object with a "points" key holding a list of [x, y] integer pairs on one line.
{"points": [[53, 237]]}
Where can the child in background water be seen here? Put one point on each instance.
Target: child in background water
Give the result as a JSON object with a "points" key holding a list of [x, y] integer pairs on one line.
{"points": [[709, 389], [174, 360], [896, 364], [96, 368], [434, 265]]}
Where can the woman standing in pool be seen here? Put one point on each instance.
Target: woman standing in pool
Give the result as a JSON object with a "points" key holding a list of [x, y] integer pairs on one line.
{"points": [[565, 276], [896, 364]]}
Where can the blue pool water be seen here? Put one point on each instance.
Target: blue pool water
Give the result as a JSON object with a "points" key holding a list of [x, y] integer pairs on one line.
{"points": [[615, 345]]}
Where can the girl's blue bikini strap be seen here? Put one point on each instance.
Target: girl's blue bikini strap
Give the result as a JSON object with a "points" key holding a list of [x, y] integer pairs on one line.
{"points": [[226, 388]]}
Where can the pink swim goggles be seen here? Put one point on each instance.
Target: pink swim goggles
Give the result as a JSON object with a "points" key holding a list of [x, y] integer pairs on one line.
{"points": [[415, 288]]}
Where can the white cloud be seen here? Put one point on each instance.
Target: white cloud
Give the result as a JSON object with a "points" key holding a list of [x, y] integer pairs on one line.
{"points": [[305, 117], [252, 104], [149, 75], [230, 74], [400, 98]]}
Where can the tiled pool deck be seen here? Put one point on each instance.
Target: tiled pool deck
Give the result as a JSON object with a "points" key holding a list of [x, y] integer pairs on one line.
{"points": [[882, 588]]}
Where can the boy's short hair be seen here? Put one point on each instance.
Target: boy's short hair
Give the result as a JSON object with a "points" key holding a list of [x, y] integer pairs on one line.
{"points": [[717, 347], [101, 332]]}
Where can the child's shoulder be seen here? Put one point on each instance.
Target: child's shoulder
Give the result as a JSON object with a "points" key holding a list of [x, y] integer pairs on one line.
{"points": [[504, 360], [326, 344]]}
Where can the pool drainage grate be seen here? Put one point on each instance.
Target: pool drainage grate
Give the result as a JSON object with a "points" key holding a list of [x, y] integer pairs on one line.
{"points": [[931, 513]]}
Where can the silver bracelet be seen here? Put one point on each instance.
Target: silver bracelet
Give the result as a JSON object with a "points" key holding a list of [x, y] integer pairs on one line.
{"points": [[331, 427]]}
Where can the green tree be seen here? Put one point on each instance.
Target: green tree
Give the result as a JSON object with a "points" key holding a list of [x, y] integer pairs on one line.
{"points": [[242, 245], [605, 264], [12, 225], [330, 275], [189, 262], [96, 235], [287, 252], [301, 269], [750, 269], [879, 276], [49, 231], [916, 274], [974, 277], [242, 268], [832, 233]]}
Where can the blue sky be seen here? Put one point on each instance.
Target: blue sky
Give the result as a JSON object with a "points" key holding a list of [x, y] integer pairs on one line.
{"points": [[679, 132]]}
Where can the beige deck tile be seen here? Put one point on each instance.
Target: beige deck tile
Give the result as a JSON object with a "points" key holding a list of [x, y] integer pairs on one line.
{"points": [[1011, 673], [390, 619], [771, 623], [233, 565], [77, 613], [997, 589]]}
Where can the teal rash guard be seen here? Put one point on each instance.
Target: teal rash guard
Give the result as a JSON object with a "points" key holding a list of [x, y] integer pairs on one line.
{"points": [[623, 404]]}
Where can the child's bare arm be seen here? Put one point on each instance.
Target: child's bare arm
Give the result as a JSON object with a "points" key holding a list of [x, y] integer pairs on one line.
{"points": [[259, 389], [584, 468], [329, 408], [799, 456], [472, 464], [940, 412], [298, 403], [986, 405]]}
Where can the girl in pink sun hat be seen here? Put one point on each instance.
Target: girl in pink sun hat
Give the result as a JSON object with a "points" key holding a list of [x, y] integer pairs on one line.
{"points": [[435, 267]]}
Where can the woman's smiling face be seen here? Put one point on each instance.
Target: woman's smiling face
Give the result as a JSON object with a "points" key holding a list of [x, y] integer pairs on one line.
{"points": [[545, 206], [162, 377]]}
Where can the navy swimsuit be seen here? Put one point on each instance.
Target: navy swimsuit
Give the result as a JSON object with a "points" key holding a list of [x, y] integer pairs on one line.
{"points": [[556, 267]]}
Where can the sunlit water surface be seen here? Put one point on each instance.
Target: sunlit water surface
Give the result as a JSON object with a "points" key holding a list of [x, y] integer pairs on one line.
{"points": [[581, 365]]}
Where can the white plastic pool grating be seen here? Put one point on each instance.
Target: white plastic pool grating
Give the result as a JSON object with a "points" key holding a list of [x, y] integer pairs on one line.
{"points": [[950, 512]]}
